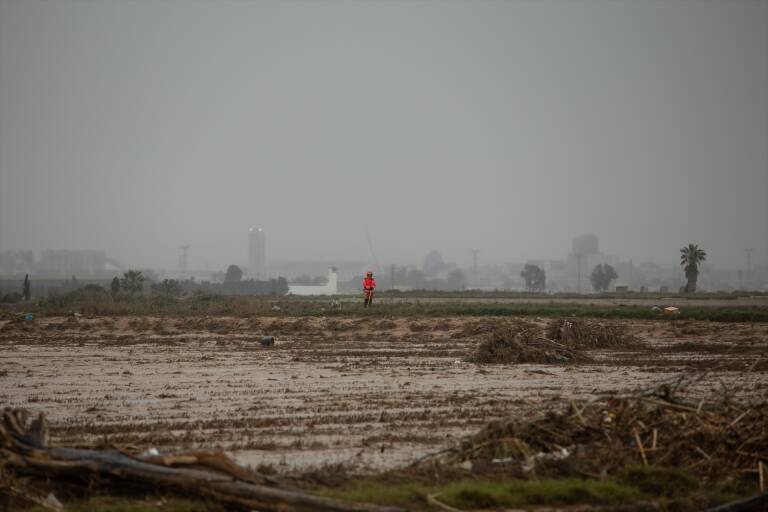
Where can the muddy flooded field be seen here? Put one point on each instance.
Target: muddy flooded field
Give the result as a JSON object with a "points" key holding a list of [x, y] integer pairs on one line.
{"points": [[369, 393]]}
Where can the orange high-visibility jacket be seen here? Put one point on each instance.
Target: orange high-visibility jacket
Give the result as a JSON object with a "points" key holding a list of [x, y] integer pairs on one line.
{"points": [[369, 283]]}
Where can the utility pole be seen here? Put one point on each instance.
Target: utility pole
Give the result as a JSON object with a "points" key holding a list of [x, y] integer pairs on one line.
{"points": [[748, 253], [475, 252], [183, 258], [578, 273]]}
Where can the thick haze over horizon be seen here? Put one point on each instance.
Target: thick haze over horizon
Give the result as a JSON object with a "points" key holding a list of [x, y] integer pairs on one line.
{"points": [[507, 127]]}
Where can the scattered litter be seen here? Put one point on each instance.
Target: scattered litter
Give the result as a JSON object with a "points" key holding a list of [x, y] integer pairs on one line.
{"points": [[530, 464], [267, 341], [275, 307], [151, 452], [29, 317], [671, 311], [52, 503]]}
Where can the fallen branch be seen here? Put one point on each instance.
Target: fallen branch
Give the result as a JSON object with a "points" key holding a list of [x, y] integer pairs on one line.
{"points": [[432, 500], [24, 451]]}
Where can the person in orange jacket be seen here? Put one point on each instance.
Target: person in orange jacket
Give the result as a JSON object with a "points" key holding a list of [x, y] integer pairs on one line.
{"points": [[369, 284]]}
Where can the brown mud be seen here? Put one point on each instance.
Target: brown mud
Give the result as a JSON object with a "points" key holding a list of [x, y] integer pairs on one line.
{"points": [[368, 393]]}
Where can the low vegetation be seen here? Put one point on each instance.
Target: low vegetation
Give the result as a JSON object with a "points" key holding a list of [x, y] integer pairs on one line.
{"points": [[661, 489], [100, 302]]}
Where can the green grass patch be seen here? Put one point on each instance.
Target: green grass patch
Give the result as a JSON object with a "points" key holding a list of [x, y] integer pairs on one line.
{"points": [[658, 481], [669, 489], [477, 494], [400, 494], [521, 493], [242, 306]]}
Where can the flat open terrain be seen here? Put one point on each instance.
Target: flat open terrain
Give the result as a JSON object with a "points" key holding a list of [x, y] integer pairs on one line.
{"points": [[371, 393]]}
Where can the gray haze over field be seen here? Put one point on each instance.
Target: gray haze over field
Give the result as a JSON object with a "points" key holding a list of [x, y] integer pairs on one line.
{"points": [[508, 127]]}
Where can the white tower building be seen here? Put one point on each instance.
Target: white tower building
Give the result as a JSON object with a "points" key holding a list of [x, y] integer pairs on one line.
{"points": [[257, 254]]}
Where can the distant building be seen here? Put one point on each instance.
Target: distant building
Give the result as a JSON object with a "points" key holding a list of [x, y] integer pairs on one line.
{"points": [[83, 263], [257, 253], [17, 263], [58, 263], [329, 288], [585, 254]]}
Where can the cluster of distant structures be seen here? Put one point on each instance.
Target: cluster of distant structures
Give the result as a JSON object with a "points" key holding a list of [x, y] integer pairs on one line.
{"points": [[585, 269]]}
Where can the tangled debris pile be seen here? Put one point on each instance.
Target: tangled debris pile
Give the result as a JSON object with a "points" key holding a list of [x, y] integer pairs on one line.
{"points": [[521, 343], [561, 341], [584, 334], [33, 472], [608, 434]]}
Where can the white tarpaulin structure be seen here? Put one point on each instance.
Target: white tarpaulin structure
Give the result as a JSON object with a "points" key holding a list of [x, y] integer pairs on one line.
{"points": [[329, 288]]}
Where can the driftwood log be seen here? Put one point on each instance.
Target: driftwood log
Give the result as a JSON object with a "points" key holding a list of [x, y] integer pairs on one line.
{"points": [[25, 456]]}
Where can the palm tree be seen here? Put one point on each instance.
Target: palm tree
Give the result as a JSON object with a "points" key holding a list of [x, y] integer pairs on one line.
{"points": [[132, 281], [690, 257]]}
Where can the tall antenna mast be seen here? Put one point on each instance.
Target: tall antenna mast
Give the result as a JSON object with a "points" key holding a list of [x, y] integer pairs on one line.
{"points": [[183, 258]]}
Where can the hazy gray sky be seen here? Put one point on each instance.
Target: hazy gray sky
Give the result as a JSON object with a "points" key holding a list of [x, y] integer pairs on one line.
{"points": [[138, 126]]}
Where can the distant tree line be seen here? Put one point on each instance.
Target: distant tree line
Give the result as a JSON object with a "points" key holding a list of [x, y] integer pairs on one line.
{"points": [[133, 282]]}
